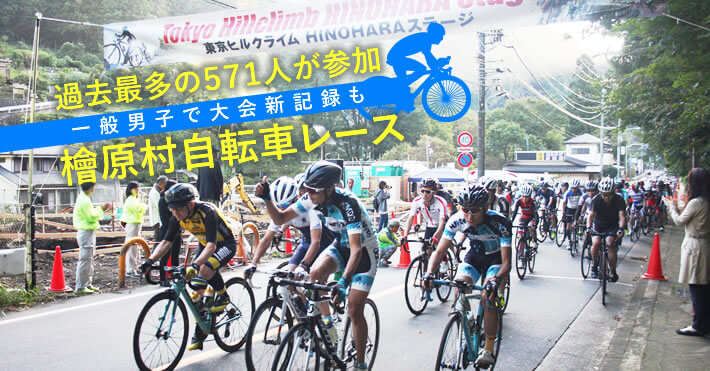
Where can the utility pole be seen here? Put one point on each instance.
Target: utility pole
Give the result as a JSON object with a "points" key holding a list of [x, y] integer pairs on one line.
{"points": [[495, 36], [601, 140], [618, 149]]}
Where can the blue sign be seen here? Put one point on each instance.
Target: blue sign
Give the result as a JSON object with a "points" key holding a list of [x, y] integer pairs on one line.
{"points": [[465, 159]]}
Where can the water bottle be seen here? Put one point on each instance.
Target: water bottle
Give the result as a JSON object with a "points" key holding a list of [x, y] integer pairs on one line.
{"points": [[330, 329], [209, 296]]}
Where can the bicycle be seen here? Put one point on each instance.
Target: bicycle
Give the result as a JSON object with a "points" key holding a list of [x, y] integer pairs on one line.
{"points": [[276, 243], [574, 239], [163, 323], [461, 343], [306, 343], [121, 52], [414, 293], [545, 226], [562, 232], [603, 268], [635, 233], [526, 261], [445, 97]]}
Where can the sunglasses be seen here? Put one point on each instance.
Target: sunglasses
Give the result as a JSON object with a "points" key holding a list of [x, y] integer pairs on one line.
{"points": [[425, 191], [311, 190], [607, 194], [472, 210]]}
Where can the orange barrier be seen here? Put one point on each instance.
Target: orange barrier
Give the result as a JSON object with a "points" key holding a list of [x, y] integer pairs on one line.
{"points": [[654, 271], [122, 258], [289, 246], [58, 284]]}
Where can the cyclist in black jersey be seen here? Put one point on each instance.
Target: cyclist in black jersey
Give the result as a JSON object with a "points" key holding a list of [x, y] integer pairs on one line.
{"points": [[217, 246]]}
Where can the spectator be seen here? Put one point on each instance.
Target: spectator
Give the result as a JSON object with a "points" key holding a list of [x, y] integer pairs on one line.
{"points": [[389, 241], [153, 213], [210, 182], [174, 254], [351, 184], [86, 221], [133, 211], [447, 197], [381, 197], [695, 249]]}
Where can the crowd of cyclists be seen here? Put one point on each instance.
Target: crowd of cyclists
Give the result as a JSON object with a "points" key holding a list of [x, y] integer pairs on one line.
{"points": [[338, 236]]}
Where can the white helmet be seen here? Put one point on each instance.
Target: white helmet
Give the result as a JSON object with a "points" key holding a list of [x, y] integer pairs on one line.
{"points": [[606, 185], [574, 183], [283, 191], [526, 190], [487, 182], [299, 178]]}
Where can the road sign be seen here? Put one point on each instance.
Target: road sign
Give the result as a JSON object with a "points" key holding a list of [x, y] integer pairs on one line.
{"points": [[465, 159], [465, 139], [465, 149]]}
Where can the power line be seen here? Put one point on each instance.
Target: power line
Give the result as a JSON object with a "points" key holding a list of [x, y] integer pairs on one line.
{"points": [[688, 22]]}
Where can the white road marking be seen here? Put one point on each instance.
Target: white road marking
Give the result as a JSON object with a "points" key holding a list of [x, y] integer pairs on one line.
{"points": [[575, 279]]}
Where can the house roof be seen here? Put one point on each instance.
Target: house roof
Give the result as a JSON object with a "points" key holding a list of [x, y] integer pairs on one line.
{"points": [[583, 139], [577, 161], [551, 169]]}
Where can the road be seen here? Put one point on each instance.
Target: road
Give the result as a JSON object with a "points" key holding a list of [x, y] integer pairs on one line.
{"points": [[96, 331]]}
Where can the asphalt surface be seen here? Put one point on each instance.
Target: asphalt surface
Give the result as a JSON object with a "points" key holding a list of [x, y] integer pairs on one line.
{"points": [[96, 332]]}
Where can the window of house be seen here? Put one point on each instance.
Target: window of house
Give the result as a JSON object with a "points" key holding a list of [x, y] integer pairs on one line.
{"points": [[580, 151]]}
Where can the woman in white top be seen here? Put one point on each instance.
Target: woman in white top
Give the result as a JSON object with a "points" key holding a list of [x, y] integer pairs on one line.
{"points": [[695, 254]]}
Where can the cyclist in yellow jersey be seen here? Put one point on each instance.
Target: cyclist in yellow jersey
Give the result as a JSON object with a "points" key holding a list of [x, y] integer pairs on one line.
{"points": [[217, 246]]}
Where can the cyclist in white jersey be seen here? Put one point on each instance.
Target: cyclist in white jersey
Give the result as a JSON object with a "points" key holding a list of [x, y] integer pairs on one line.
{"points": [[432, 209]]}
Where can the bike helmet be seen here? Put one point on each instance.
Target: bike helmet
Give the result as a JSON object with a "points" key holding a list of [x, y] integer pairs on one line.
{"points": [[298, 179], [564, 184], [429, 182], [487, 182], [606, 185], [322, 174], [545, 184], [526, 190], [284, 191], [591, 185], [180, 195], [473, 195], [574, 183]]}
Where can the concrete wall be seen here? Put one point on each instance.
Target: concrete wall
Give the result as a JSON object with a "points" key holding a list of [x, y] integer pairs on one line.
{"points": [[12, 262]]}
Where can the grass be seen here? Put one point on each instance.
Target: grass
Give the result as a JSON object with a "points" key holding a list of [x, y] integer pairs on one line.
{"points": [[18, 297]]}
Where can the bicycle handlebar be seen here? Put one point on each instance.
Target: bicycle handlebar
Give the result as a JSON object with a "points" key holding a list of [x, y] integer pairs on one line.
{"points": [[306, 285]]}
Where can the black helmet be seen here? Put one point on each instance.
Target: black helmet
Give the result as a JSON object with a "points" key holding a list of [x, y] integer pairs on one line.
{"points": [[179, 195], [429, 182], [473, 195], [322, 174]]}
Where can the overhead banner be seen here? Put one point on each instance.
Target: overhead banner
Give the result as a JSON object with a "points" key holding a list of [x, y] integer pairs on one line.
{"points": [[316, 24]]}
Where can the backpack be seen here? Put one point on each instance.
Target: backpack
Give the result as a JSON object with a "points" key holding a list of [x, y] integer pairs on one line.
{"points": [[375, 203]]}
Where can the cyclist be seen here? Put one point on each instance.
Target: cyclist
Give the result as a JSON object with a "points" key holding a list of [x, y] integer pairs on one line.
{"points": [[548, 200], [528, 206], [502, 204], [353, 249], [652, 204], [284, 192], [217, 246], [585, 202], [432, 209], [635, 199], [488, 257], [450, 210], [570, 203], [607, 215]]}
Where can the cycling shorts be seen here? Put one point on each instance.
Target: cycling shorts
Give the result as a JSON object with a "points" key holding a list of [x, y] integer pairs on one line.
{"points": [[366, 269], [568, 215], [468, 270], [222, 255], [475, 263], [429, 233], [525, 221], [302, 249], [609, 230]]}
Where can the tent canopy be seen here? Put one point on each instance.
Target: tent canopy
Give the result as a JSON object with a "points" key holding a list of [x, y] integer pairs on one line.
{"points": [[442, 174]]}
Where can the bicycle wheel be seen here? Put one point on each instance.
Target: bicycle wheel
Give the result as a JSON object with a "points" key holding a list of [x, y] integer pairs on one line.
{"points": [[447, 99], [645, 225], [521, 263], [586, 258], [160, 335], [541, 231], [603, 274], [230, 327], [573, 242], [531, 259], [443, 292], [375, 111], [299, 350], [413, 289], [112, 56], [561, 234], [499, 339], [347, 347], [450, 352], [266, 330], [506, 294]]}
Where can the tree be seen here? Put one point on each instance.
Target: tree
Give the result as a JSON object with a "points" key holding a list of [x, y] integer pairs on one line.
{"points": [[502, 139], [661, 83], [440, 151], [527, 112]]}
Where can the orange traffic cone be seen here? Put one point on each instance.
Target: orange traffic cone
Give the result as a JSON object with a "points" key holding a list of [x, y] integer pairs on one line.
{"points": [[58, 284], [654, 270], [404, 258], [289, 248], [392, 215]]}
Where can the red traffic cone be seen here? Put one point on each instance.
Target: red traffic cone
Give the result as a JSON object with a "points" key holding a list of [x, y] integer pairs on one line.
{"points": [[289, 248], [404, 258], [58, 284], [654, 271], [392, 215]]}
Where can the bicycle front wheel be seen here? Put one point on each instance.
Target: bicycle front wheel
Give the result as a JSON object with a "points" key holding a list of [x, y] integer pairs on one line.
{"points": [[603, 274], [452, 345], [112, 56], [231, 326], [521, 263], [347, 348], [561, 234], [586, 258], [573, 242], [443, 292], [447, 99], [160, 335], [541, 231], [531, 259], [298, 351], [506, 294], [413, 288], [265, 334]]}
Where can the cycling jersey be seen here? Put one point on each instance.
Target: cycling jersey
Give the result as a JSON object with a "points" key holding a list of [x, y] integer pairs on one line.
{"points": [[206, 223], [485, 242], [572, 199], [305, 223], [528, 209], [636, 199], [345, 215], [433, 214], [547, 197], [606, 216], [501, 205]]}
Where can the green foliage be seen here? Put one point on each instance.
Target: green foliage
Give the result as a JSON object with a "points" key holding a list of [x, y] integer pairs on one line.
{"points": [[662, 84], [17, 297], [502, 139], [440, 151]]}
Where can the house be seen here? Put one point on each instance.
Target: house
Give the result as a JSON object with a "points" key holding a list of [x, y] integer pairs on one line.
{"points": [[579, 160], [46, 178]]}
